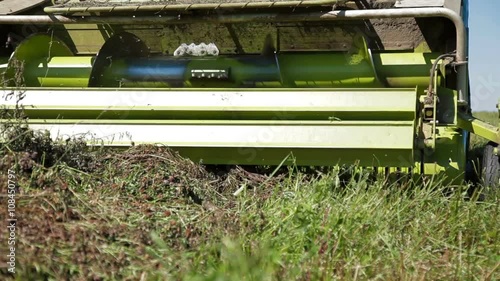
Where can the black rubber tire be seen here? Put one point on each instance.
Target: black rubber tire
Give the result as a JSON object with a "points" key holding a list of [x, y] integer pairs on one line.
{"points": [[490, 167]]}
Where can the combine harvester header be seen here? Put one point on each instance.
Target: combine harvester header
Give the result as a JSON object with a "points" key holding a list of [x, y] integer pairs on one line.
{"points": [[379, 83]]}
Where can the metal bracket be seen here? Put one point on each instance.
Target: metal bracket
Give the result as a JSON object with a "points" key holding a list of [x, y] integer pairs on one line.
{"points": [[454, 5], [472, 124], [210, 73]]}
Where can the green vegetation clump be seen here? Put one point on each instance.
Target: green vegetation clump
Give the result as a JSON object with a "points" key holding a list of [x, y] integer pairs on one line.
{"points": [[148, 214]]}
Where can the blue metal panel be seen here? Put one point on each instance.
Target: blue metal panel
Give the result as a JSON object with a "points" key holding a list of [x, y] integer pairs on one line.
{"points": [[465, 12], [465, 16]]}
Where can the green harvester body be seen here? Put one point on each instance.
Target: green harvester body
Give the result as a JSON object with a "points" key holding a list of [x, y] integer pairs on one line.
{"points": [[311, 83]]}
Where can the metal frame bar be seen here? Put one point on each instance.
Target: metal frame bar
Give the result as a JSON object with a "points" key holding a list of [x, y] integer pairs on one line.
{"points": [[195, 6], [472, 124]]}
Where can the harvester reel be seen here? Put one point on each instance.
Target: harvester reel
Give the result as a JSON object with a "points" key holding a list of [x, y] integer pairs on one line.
{"points": [[121, 45], [35, 50]]}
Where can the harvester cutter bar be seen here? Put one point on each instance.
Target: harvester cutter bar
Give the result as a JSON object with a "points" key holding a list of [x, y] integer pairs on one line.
{"points": [[318, 127]]}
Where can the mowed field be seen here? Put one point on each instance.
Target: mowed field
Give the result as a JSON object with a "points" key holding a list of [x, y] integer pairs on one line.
{"points": [[148, 214]]}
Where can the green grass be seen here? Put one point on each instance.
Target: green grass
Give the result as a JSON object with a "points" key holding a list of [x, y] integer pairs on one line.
{"points": [[148, 214]]}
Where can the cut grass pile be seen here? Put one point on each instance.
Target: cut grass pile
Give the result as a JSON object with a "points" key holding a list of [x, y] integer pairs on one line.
{"points": [[148, 214]]}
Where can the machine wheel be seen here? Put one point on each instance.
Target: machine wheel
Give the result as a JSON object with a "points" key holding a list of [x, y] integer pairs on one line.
{"points": [[490, 168]]}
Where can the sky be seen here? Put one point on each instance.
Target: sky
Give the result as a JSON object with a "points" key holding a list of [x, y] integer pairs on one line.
{"points": [[484, 54]]}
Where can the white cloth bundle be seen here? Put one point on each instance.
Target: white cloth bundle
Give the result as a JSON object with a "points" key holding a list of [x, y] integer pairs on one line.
{"points": [[199, 50]]}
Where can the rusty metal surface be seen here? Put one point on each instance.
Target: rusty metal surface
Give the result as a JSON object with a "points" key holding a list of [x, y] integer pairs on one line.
{"points": [[10, 7], [454, 5], [87, 3], [382, 34], [122, 3], [97, 3]]}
